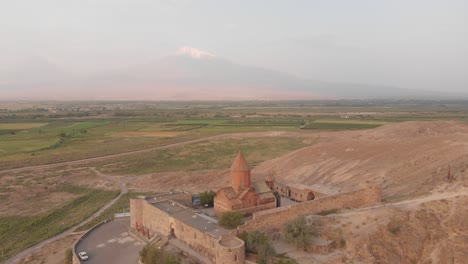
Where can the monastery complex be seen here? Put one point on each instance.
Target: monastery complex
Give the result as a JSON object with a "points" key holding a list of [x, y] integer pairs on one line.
{"points": [[173, 215]]}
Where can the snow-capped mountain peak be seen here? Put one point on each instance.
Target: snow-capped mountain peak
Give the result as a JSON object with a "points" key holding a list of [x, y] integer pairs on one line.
{"points": [[194, 53]]}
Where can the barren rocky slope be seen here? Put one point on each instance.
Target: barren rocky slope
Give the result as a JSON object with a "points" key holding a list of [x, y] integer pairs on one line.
{"points": [[406, 159], [428, 229], [422, 218]]}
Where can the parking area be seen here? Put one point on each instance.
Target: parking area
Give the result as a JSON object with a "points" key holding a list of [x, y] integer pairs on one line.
{"points": [[110, 243]]}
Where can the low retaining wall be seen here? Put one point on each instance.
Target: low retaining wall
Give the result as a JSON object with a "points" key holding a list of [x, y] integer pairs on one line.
{"points": [[276, 218], [76, 259]]}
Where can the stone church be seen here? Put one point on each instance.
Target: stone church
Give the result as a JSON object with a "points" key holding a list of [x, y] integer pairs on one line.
{"points": [[243, 195]]}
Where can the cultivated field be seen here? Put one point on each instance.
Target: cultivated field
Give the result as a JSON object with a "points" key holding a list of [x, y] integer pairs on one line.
{"points": [[18, 232]]}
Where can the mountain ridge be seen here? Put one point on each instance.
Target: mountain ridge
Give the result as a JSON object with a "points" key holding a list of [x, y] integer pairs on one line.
{"points": [[190, 74]]}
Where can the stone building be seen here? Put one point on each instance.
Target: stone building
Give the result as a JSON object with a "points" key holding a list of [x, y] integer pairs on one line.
{"points": [[166, 215], [294, 191], [242, 195]]}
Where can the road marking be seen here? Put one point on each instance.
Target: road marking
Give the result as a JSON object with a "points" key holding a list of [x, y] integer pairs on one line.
{"points": [[125, 240]]}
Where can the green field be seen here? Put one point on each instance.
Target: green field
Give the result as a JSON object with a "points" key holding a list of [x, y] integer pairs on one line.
{"points": [[19, 232], [200, 156], [61, 141], [64, 141], [339, 126], [57, 132]]}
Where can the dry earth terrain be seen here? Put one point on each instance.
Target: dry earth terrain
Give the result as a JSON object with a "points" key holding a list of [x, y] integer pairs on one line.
{"points": [[54, 253], [423, 215]]}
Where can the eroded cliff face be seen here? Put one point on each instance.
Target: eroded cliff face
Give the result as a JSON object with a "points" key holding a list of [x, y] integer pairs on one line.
{"points": [[427, 229]]}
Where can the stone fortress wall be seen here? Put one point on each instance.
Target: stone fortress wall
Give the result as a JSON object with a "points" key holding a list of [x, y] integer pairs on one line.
{"points": [[230, 249], [225, 248], [275, 218], [145, 215]]}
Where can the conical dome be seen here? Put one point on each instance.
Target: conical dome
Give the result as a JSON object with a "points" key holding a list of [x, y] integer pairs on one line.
{"points": [[240, 164]]}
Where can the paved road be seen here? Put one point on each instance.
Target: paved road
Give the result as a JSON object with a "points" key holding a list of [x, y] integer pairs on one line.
{"points": [[110, 243], [224, 136]]}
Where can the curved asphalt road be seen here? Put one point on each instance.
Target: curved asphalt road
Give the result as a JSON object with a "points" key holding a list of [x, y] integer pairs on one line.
{"points": [[110, 243]]}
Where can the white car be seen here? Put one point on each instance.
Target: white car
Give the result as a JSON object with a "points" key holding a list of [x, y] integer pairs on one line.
{"points": [[83, 255]]}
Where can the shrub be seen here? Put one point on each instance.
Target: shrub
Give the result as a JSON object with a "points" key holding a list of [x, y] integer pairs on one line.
{"points": [[207, 198], [394, 229], [151, 255], [257, 242], [327, 212], [231, 220], [298, 233], [286, 261], [342, 242]]}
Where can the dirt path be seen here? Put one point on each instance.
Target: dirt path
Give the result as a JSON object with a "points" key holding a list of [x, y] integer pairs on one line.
{"points": [[217, 137], [435, 195], [21, 255]]}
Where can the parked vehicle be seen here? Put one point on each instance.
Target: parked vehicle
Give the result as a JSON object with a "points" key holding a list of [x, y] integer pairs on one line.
{"points": [[83, 255]]}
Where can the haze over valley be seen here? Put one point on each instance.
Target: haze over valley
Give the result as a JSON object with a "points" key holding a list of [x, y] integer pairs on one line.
{"points": [[182, 50], [240, 132]]}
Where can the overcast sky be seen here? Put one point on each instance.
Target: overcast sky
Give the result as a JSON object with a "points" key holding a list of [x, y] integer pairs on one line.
{"points": [[416, 44]]}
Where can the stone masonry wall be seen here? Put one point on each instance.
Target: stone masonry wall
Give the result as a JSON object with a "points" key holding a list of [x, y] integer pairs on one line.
{"points": [[292, 192], [198, 240], [210, 246], [230, 250], [222, 204], [261, 207], [275, 218], [157, 220], [148, 216]]}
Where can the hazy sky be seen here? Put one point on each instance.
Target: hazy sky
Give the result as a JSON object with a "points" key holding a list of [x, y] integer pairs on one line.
{"points": [[418, 44]]}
